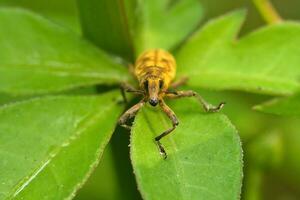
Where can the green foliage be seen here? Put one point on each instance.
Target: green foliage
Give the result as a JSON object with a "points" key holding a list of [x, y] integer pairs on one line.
{"points": [[49, 146], [61, 12], [282, 106], [97, 19], [204, 159], [45, 57], [139, 25], [110, 189], [158, 23], [266, 151], [265, 61]]}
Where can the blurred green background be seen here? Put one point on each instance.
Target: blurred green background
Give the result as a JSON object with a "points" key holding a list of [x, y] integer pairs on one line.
{"points": [[271, 143]]}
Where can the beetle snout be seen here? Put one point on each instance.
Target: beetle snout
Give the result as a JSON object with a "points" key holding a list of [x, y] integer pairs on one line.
{"points": [[153, 102]]}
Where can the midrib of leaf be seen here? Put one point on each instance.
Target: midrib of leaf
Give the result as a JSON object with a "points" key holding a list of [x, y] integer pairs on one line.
{"points": [[61, 71], [81, 127], [178, 167], [98, 154]]}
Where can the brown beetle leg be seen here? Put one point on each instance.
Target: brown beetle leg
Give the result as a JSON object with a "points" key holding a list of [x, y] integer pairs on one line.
{"points": [[131, 112], [125, 87], [189, 93], [175, 122]]}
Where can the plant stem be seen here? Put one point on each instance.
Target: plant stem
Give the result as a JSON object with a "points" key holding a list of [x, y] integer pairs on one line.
{"points": [[267, 11]]}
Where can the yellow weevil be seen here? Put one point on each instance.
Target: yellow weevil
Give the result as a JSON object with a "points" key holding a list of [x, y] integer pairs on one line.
{"points": [[155, 70]]}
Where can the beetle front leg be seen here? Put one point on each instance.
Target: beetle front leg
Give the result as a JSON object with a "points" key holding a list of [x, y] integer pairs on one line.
{"points": [[207, 107], [131, 112], [171, 115]]}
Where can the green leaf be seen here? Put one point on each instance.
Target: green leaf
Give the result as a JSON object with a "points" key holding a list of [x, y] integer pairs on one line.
{"points": [[204, 155], [45, 57], [106, 24], [239, 110], [95, 187], [49, 146], [6, 99], [62, 12], [165, 23], [115, 168], [281, 106], [264, 61]]}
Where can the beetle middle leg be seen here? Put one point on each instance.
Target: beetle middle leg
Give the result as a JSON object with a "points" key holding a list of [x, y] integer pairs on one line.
{"points": [[175, 122], [189, 93], [131, 112], [126, 87]]}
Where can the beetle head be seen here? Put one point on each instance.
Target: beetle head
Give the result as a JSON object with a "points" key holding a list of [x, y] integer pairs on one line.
{"points": [[153, 86]]}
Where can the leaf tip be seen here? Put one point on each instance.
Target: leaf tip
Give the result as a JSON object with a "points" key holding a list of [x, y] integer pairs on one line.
{"points": [[230, 24], [236, 17]]}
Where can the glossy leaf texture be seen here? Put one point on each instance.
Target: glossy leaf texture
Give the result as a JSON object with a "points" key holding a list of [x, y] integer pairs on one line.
{"points": [[165, 23], [108, 28], [264, 61], [54, 144], [282, 106], [204, 155], [45, 57]]}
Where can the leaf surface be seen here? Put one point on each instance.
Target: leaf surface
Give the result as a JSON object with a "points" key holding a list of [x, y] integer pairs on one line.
{"points": [[165, 23], [49, 146], [264, 61], [204, 155], [62, 12], [107, 24], [45, 57], [281, 106]]}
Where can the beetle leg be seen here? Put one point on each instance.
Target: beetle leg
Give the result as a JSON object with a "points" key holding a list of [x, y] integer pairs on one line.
{"points": [[189, 93], [179, 82], [175, 122], [126, 87], [131, 112]]}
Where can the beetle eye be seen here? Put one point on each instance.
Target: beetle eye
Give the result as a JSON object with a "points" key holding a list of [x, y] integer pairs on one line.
{"points": [[161, 83], [146, 85]]}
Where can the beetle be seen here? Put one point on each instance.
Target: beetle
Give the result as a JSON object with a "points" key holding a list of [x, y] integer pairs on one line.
{"points": [[155, 69]]}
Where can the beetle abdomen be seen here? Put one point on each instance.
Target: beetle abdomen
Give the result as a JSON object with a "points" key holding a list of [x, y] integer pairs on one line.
{"points": [[158, 63]]}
